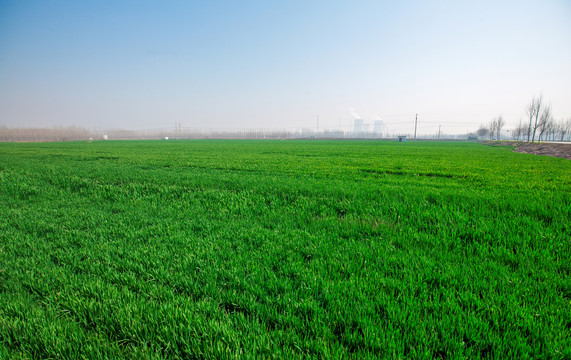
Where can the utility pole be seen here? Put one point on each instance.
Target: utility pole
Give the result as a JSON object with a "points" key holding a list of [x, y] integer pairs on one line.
{"points": [[439, 126], [317, 133], [415, 122]]}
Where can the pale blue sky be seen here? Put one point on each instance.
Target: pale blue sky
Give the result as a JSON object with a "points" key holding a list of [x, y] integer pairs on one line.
{"points": [[266, 64]]}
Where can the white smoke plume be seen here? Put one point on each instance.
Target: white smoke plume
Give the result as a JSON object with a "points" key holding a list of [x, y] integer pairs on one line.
{"points": [[354, 114]]}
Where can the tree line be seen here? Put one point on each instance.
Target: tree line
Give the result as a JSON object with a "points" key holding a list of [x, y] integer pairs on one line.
{"points": [[539, 124], [58, 133]]}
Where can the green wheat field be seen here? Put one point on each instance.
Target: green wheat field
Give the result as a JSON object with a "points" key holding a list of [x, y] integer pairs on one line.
{"points": [[219, 249]]}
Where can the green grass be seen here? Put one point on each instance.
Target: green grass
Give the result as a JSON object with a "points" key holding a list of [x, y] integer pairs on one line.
{"points": [[283, 249]]}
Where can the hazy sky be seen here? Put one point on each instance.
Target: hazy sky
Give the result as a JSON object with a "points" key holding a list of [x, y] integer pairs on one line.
{"points": [[269, 64]]}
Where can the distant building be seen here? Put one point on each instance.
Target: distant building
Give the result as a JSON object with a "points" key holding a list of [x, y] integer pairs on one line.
{"points": [[358, 126], [378, 127], [402, 138]]}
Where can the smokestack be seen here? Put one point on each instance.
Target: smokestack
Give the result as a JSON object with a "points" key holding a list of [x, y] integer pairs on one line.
{"points": [[378, 127], [358, 126]]}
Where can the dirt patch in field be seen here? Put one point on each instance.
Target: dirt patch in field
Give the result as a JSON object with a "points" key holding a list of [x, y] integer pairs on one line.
{"points": [[547, 149]]}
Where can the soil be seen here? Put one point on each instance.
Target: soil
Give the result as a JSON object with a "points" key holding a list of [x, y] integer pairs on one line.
{"points": [[561, 150]]}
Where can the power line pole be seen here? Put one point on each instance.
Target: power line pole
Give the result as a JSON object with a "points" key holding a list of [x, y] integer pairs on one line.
{"points": [[415, 122], [317, 133], [439, 126]]}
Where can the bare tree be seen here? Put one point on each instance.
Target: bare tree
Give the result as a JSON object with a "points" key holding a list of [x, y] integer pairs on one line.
{"points": [[516, 133], [564, 128], [492, 128], [533, 111], [545, 122], [554, 130], [482, 131], [495, 128], [499, 125], [520, 132]]}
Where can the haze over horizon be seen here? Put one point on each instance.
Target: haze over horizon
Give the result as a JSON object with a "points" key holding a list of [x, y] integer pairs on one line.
{"points": [[255, 64]]}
